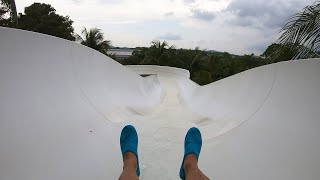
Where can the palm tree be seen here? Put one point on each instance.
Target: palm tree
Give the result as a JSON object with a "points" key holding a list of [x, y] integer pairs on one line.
{"points": [[94, 39], [302, 31], [195, 56], [160, 48], [158, 53], [3, 11], [11, 5]]}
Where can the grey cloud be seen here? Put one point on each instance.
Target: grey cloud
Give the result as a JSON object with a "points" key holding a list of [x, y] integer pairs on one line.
{"points": [[203, 14], [202, 41], [190, 1], [170, 36], [265, 14], [110, 1], [259, 48], [169, 14]]}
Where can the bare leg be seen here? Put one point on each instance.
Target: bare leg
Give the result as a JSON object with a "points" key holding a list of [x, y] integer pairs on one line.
{"points": [[129, 167], [191, 169]]}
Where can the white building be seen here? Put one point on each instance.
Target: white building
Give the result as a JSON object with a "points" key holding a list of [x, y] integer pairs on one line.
{"points": [[121, 53]]}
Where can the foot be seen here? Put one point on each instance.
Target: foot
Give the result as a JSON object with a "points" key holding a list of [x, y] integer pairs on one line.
{"points": [[129, 143], [192, 145]]}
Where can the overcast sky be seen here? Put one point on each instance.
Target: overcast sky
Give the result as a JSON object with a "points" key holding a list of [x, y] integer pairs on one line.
{"points": [[235, 26]]}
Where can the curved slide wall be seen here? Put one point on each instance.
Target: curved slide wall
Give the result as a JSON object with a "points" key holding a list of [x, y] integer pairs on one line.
{"points": [[280, 140], [160, 71], [63, 106], [55, 95]]}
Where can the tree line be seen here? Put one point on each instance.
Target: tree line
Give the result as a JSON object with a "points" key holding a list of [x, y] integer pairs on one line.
{"points": [[42, 18], [204, 66], [299, 38]]}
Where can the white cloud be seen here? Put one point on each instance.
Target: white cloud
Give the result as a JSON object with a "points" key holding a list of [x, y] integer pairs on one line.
{"points": [[170, 36], [271, 13], [237, 26], [203, 14]]}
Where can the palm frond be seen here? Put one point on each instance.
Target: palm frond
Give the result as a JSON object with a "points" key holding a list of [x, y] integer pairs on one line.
{"points": [[303, 30], [3, 11], [78, 38], [11, 4], [94, 39]]}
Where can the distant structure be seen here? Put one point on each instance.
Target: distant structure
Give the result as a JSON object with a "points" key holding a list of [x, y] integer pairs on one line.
{"points": [[121, 53]]}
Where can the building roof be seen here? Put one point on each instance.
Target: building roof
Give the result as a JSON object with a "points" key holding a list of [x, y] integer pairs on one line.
{"points": [[121, 52]]}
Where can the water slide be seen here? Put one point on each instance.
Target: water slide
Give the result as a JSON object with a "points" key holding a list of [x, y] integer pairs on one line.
{"points": [[63, 105]]}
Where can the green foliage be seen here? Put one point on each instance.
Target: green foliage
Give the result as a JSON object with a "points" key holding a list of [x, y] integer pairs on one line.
{"points": [[271, 50], [3, 11], [94, 39], [112, 55], [159, 53], [191, 59], [202, 77], [8, 6], [302, 30], [43, 18], [280, 52], [205, 67]]}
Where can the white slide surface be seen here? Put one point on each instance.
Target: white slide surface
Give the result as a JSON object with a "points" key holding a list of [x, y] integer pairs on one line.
{"points": [[63, 105]]}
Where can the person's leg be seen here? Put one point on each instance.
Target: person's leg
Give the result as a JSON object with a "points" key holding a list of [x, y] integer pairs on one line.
{"points": [[129, 149], [192, 147], [129, 167], [191, 169]]}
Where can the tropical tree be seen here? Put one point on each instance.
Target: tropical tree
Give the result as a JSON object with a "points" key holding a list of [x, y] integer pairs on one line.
{"points": [[213, 64], [9, 6], [193, 59], [42, 18], [3, 11], [280, 52], [303, 32], [158, 53], [202, 77], [204, 66], [94, 39]]}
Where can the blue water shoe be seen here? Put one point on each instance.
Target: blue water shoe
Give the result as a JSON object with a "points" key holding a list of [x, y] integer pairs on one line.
{"points": [[129, 143], [192, 145]]}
